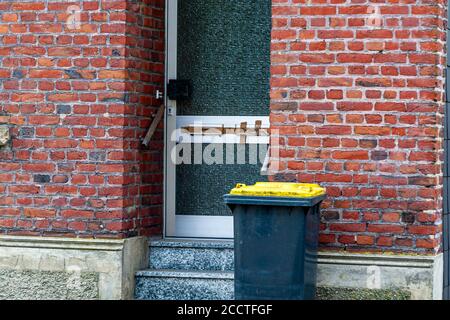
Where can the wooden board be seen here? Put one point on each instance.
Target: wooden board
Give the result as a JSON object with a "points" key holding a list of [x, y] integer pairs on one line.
{"points": [[159, 115]]}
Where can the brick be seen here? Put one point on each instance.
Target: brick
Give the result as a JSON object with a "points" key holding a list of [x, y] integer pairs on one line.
{"points": [[113, 74], [365, 240], [423, 230], [64, 51], [346, 239], [45, 74], [63, 97], [39, 167], [354, 58], [317, 58], [44, 120], [351, 155], [385, 228], [426, 243], [41, 178], [385, 241], [348, 227], [354, 106], [334, 130], [77, 214], [335, 82], [39, 213], [373, 131]]}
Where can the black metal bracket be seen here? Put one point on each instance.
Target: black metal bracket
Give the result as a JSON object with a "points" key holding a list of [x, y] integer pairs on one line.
{"points": [[178, 89]]}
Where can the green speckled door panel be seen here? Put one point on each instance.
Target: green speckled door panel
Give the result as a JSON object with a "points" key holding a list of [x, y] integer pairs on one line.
{"points": [[200, 187], [223, 49]]}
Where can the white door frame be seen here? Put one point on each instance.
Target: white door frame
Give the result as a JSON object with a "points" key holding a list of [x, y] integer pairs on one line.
{"points": [[188, 226]]}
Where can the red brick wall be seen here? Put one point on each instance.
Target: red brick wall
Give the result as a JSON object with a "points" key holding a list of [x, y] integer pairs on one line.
{"points": [[358, 102], [77, 99], [358, 106]]}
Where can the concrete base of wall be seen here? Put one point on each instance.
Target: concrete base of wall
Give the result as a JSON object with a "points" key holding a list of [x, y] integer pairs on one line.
{"points": [[66, 268], [383, 276]]}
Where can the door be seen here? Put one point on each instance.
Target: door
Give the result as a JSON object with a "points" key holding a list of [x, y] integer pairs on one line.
{"points": [[217, 115]]}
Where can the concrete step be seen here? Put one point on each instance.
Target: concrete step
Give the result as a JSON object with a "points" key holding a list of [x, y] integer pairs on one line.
{"points": [[192, 255], [184, 285]]}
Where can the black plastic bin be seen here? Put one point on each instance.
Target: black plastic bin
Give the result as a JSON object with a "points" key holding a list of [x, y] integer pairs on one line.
{"points": [[275, 243]]}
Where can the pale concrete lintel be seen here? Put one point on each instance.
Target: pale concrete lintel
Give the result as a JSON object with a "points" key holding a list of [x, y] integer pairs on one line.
{"points": [[388, 260], [62, 243]]}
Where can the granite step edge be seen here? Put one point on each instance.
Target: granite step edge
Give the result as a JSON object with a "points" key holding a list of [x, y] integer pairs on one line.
{"points": [[192, 244], [189, 274]]}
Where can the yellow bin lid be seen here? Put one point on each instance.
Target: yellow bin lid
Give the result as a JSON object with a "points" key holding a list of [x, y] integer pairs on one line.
{"points": [[279, 189]]}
